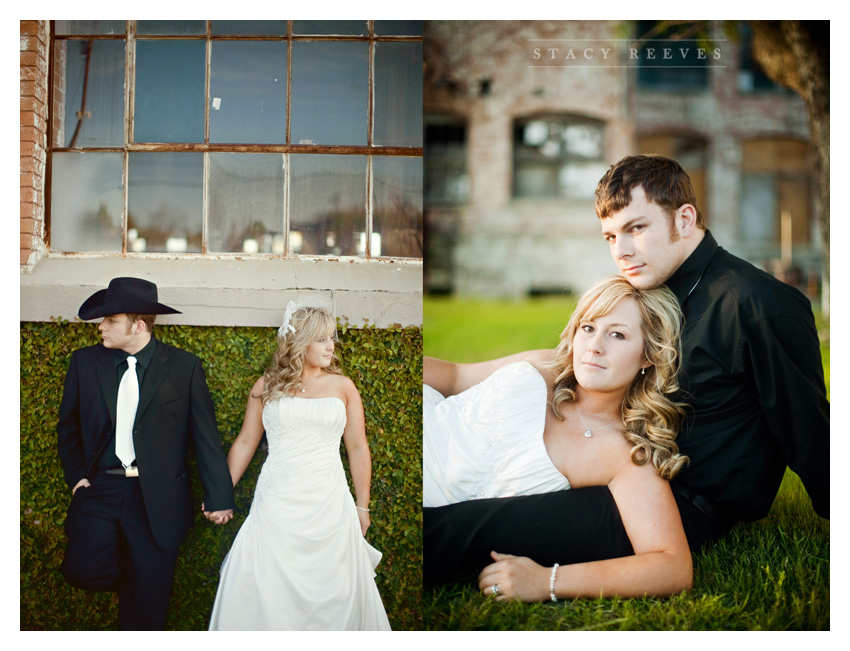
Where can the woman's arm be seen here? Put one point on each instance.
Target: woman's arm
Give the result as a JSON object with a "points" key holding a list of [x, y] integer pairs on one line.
{"points": [[661, 565], [245, 445], [450, 378], [357, 447]]}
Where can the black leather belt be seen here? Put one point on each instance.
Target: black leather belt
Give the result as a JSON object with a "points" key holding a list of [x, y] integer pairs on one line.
{"points": [[132, 471]]}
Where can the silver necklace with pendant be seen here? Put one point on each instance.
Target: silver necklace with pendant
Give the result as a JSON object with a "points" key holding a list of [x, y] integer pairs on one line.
{"points": [[588, 431], [304, 386]]}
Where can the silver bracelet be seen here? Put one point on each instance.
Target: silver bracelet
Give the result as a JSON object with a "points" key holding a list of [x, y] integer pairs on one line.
{"points": [[552, 583], [360, 508]]}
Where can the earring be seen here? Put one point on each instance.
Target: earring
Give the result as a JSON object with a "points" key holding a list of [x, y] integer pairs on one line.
{"points": [[643, 371]]}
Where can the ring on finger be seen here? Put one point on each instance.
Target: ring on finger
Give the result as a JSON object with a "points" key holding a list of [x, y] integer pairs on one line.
{"points": [[495, 589]]}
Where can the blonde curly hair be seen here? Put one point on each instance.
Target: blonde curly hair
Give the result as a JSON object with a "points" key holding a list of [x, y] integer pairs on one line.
{"points": [[650, 416], [283, 376]]}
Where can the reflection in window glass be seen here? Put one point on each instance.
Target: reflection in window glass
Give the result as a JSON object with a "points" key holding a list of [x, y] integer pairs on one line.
{"points": [[330, 88], [398, 28], [246, 203], [86, 27], [397, 213], [398, 94], [165, 202], [169, 100], [327, 209], [86, 202], [331, 27], [557, 156], [171, 27], [249, 27], [92, 75], [248, 92]]}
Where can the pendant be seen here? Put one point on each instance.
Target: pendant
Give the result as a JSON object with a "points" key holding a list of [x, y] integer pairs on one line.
{"points": [[588, 434], [303, 390]]}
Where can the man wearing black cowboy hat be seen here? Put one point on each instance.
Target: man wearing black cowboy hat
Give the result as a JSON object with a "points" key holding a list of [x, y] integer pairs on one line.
{"points": [[131, 410]]}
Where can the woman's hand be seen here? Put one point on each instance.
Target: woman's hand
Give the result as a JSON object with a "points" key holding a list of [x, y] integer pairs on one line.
{"points": [[516, 577], [365, 521]]}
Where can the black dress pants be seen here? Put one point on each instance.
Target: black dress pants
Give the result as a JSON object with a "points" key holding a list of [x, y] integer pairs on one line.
{"points": [[111, 548], [571, 526]]}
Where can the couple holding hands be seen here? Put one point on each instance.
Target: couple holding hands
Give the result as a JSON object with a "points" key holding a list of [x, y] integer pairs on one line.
{"points": [[133, 408]]}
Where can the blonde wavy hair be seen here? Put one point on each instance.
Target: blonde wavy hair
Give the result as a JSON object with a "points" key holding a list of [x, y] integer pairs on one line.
{"points": [[283, 376], [650, 417]]}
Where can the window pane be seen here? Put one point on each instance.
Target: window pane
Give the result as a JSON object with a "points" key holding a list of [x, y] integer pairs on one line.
{"points": [[330, 88], [70, 27], [246, 203], [249, 27], [331, 27], [248, 92], [398, 28], [87, 206], [398, 94], [165, 202], [171, 27], [169, 102], [397, 214], [96, 68], [327, 211], [445, 179]]}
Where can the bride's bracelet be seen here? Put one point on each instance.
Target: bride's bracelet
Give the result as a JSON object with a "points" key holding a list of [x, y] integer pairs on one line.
{"points": [[360, 508], [552, 583]]}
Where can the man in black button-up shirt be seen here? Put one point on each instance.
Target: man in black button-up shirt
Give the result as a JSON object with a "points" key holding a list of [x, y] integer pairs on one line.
{"points": [[752, 373]]}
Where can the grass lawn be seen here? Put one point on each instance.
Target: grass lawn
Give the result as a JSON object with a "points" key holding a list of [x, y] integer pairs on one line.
{"points": [[768, 575]]}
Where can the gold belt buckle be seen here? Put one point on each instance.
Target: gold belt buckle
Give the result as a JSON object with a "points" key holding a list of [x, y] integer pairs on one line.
{"points": [[131, 471]]}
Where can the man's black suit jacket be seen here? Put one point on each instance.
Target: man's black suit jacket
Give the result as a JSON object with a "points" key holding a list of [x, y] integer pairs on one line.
{"points": [[175, 413]]}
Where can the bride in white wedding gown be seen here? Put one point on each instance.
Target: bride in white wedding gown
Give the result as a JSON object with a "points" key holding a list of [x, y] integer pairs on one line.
{"points": [[300, 560]]}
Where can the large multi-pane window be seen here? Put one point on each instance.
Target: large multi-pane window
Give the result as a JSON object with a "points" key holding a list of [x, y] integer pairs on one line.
{"points": [[248, 137]]}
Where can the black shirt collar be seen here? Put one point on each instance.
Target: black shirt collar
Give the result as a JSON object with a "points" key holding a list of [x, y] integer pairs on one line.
{"points": [[686, 277], [143, 357]]}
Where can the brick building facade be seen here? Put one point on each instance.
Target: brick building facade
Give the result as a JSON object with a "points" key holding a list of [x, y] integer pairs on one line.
{"points": [[522, 118]]}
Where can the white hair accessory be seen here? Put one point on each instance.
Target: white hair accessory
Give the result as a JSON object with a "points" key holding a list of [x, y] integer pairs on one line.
{"points": [[299, 310], [286, 327]]}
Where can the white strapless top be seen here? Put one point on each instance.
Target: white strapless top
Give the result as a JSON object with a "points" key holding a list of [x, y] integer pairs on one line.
{"points": [[488, 440]]}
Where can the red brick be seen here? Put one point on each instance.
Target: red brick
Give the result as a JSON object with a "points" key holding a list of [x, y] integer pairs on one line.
{"points": [[30, 227], [28, 210], [31, 58], [30, 195]]}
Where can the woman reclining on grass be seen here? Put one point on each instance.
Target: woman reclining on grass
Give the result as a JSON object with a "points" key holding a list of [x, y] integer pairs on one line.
{"points": [[595, 411]]}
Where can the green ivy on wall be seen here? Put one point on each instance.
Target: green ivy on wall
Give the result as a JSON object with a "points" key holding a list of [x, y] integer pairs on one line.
{"points": [[386, 367]]}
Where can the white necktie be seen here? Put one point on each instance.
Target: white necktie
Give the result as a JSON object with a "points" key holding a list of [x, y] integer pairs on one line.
{"points": [[128, 401]]}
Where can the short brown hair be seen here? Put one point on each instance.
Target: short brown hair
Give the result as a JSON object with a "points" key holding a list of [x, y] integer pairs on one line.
{"points": [[664, 182], [147, 318]]}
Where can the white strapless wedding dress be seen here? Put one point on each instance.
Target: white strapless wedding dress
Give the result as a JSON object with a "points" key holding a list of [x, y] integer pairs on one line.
{"points": [[300, 562], [488, 440]]}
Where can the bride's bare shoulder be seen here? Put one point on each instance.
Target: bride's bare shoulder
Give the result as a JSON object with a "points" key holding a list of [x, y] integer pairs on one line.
{"points": [[542, 361]]}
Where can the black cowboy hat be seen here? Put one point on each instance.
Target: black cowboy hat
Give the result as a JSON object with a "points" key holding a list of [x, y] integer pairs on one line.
{"points": [[124, 296]]}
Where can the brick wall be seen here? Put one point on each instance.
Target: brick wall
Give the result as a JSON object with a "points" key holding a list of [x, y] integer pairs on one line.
{"points": [[34, 49]]}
